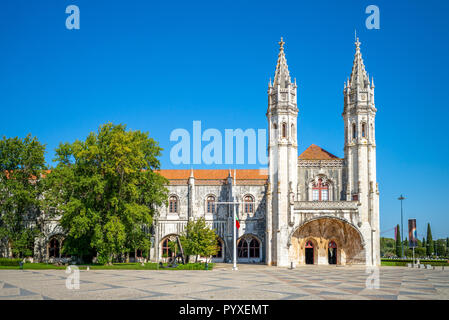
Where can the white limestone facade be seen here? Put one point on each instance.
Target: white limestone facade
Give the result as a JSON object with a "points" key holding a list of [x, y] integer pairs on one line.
{"points": [[315, 208]]}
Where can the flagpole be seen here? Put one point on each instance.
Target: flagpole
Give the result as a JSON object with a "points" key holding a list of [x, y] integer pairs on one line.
{"points": [[235, 240]]}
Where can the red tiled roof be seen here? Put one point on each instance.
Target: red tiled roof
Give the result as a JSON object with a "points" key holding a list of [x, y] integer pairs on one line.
{"points": [[215, 174], [317, 153]]}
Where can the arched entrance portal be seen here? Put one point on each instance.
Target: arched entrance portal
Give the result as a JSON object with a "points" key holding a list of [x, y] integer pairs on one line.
{"points": [[332, 253], [325, 241], [309, 252]]}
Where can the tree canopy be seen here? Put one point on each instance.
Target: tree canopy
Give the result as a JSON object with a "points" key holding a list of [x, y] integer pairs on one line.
{"points": [[21, 165], [198, 239], [106, 190]]}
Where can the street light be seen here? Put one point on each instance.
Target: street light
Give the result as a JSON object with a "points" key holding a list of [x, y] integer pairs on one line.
{"points": [[402, 228]]}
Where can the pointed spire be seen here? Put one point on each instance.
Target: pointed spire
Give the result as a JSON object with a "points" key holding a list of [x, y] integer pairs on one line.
{"points": [[282, 75], [358, 74]]}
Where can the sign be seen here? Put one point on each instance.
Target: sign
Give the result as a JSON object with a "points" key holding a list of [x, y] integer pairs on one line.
{"points": [[412, 234]]}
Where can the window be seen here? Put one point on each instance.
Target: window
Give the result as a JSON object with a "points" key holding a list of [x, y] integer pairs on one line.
{"points": [[284, 130], [320, 191], [242, 249], [363, 130], [166, 250], [254, 249], [173, 204], [210, 203], [248, 204], [54, 248], [354, 131]]}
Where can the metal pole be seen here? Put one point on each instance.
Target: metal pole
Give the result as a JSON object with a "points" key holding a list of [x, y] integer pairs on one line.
{"points": [[235, 241], [402, 228]]}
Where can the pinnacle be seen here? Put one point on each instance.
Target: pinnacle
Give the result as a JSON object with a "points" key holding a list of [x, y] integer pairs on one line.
{"points": [[359, 77], [282, 75]]}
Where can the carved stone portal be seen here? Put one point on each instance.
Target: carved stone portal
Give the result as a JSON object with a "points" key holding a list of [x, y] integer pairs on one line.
{"points": [[316, 235]]}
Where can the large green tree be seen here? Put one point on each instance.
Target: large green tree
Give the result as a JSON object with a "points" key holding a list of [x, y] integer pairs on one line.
{"points": [[429, 242], [21, 164], [398, 241], [106, 190], [199, 239]]}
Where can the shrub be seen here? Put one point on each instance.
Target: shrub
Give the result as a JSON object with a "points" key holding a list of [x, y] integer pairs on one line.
{"points": [[9, 262]]}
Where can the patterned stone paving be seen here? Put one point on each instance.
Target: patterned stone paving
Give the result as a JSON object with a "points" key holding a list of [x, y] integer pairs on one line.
{"points": [[249, 282]]}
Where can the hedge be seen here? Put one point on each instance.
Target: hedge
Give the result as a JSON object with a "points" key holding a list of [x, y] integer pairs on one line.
{"points": [[10, 262], [404, 262]]}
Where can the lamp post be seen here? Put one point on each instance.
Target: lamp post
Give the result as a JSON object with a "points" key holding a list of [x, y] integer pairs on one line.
{"points": [[402, 227]]}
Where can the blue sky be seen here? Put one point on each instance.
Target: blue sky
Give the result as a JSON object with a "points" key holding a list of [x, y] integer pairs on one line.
{"points": [[159, 66]]}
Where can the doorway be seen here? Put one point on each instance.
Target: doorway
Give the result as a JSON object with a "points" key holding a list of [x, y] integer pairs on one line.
{"points": [[332, 253], [309, 252]]}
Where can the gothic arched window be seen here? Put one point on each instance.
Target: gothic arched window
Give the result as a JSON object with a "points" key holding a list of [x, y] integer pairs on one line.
{"points": [[354, 131], [210, 204], [363, 130], [320, 191], [242, 249], [166, 249], [173, 204], [54, 248], [254, 248], [248, 204], [284, 130]]}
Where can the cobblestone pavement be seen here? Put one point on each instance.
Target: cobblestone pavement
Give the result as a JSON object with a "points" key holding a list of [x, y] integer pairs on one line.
{"points": [[249, 282]]}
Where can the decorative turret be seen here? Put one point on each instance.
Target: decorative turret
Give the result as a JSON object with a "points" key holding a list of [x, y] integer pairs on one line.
{"points": [[359, 115], [282, 117]]}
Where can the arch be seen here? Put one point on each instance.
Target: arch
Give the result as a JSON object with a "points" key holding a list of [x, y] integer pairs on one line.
{"points": [[328, 233], [363, 130], [323, 217], [332, 252], [354, 131], [293, 132], [54, 246], [173, 203], [211, 204], [284, 130], [165, 249], [309, 251], [249, 248], [254, 248], [248, 204]]}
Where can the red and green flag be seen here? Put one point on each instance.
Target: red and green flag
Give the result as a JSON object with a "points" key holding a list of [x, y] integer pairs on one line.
{"points": [[237, 222]]}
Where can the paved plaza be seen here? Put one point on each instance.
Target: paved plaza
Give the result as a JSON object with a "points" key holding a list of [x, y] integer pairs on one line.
{"points": [[249, 282]]}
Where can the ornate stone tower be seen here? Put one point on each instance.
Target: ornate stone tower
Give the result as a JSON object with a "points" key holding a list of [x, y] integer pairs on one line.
{"points": [[282, 116], [360, 154]]}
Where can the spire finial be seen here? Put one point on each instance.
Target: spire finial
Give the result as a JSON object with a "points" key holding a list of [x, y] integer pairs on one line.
{"points": [[357, 43], [281, 43]]}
